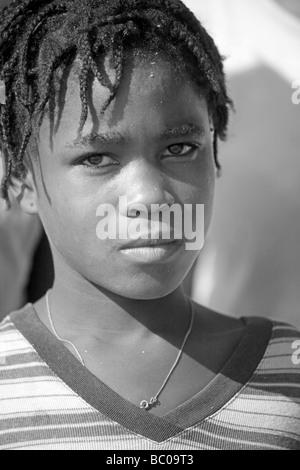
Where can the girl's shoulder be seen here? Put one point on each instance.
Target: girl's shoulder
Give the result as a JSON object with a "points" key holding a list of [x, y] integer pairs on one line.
{"points": [[7, 327], [12, 338], [14, 348], [283, 352], [262, 345]]}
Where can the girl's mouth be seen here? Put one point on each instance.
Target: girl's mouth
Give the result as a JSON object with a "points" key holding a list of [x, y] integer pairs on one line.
{"points": [[153, 251]]}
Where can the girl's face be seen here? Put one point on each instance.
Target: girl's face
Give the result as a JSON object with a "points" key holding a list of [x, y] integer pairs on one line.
{"points": [[153, 146]]}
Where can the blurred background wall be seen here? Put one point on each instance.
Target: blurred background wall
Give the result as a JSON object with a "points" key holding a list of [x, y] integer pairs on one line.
{"points": [[26, 269], [251, 262]]}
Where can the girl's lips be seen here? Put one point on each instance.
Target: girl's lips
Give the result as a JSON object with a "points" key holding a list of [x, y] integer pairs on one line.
{"points": [[149, 242], [153, 253]]}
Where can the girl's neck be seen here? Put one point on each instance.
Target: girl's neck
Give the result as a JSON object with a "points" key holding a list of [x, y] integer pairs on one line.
{"points": [[80, 308]]}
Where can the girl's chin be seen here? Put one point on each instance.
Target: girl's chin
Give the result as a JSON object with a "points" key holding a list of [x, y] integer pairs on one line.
{"points": [[147, 291]]}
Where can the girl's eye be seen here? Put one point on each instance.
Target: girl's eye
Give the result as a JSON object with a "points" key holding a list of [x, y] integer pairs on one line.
{"points": [[180, 150], [99, 161]]}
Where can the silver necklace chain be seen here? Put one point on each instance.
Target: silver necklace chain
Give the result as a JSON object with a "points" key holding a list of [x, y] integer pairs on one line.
{"points": [[56, 334], [145, 405]]}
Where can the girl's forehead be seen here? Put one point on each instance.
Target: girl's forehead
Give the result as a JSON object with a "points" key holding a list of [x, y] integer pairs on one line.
{"points": [[149, 77], [142, 71], [150, 99], [155, 74]]}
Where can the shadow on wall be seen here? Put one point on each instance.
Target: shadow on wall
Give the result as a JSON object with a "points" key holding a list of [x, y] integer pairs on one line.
{"points": [[251, 263], [19, 236]]}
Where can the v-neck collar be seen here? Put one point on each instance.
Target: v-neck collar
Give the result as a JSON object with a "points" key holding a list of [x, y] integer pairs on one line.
{"points": [[229, 381]]}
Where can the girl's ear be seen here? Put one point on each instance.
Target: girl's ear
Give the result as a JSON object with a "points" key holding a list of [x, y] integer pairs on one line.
{"points": [[24, 191]]}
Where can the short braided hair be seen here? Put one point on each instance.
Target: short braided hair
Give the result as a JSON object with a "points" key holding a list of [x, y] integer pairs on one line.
{"points": [[38, 37]]}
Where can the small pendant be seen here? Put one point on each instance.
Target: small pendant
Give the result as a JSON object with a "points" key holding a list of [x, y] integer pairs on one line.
{"points": [[144, 405]]}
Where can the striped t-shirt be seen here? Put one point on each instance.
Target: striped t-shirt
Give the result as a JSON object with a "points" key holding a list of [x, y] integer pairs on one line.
{"points": [[49, 401]]}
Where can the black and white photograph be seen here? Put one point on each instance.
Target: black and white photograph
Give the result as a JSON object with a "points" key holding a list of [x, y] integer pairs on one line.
{"points": [[149, 227]]}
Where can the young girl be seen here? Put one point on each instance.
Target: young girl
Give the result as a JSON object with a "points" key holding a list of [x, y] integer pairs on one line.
{"points": [[106, 102]]}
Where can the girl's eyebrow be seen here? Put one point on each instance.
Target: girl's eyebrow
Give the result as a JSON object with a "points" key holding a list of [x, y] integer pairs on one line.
{"points": [[117, 138], [183, 131]]}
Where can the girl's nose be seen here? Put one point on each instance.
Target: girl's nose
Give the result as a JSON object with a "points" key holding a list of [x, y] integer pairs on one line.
{"points": [[147, 186], [161, 198]]}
